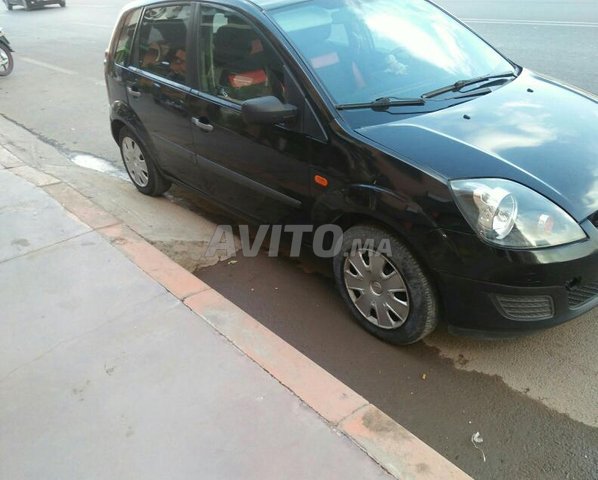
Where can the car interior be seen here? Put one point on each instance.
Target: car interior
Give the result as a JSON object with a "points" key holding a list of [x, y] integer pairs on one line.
{"points": [[159, 40], [240, 64]]}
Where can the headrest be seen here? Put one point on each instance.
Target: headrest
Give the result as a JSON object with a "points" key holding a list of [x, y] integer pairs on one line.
{"points": [[234, 42], [172, 31]]}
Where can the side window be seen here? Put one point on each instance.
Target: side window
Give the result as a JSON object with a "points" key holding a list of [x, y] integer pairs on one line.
{"points": [[125, 40], [235, 61], [162, 41]]}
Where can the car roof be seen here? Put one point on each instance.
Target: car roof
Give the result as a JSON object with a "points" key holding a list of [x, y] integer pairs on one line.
{"points": [[262, 4]]}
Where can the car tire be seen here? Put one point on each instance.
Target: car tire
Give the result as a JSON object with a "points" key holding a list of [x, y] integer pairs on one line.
{"points": [[62, 4], [8, 4], [5, 54], [398, 301], [140, 166]]}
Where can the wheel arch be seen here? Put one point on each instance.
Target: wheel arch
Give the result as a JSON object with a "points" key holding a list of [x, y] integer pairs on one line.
{"points": [[115, 127], [121, 115], [371, 204]]}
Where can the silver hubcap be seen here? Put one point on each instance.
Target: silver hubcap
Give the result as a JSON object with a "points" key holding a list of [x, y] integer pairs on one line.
{"points": [[376, 288], [135, 162]]}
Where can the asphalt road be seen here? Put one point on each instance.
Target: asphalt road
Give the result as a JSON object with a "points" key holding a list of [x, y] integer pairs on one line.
{"points": [[533, 399]]}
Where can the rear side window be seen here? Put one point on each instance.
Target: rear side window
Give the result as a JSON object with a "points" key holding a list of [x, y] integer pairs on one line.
{"points": [[163, 41], [125, 40]]}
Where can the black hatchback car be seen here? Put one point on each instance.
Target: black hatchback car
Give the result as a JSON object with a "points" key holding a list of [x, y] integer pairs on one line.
{"points": [[390, 120]]}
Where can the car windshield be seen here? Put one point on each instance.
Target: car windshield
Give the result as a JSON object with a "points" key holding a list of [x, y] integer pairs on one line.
{"points": [[362, 50]]}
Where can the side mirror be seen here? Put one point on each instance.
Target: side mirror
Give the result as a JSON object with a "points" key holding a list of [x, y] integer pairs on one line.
{"points": [[267, 111]]}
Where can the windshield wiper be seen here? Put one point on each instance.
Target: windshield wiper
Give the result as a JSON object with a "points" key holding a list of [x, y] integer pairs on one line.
{"points": [[382, 103], [476, 92], [455, 87]]}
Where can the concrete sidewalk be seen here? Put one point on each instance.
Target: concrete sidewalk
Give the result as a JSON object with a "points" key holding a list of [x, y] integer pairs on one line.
{"points": [[116, 363]]}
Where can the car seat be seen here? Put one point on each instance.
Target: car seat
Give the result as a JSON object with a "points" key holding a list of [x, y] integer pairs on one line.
{"points": [[241, 63]]}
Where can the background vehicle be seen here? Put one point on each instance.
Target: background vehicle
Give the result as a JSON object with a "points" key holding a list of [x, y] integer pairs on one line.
{"points": [[30, 4], [6, 60]]}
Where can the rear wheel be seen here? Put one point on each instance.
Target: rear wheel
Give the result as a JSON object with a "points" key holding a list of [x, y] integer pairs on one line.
{"points": [[384, 286], [62, 4], [140, 166], [6, 61]]}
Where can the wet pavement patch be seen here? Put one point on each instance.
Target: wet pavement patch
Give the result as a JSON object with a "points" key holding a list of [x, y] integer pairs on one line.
{"points": [[98, 164]]}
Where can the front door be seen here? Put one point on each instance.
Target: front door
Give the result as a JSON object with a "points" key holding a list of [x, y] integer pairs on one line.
{"points": [[261, 170]]}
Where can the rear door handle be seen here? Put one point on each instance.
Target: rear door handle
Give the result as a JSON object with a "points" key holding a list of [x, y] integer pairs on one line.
{"points": [[206, 127], [133, 91]]}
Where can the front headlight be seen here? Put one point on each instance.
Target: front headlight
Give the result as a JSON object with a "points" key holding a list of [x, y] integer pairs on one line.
{"points": [[507, 214]]}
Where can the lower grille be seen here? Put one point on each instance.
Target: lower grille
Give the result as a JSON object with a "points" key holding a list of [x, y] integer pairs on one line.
{"points": [[526, 307], [582, 294]]}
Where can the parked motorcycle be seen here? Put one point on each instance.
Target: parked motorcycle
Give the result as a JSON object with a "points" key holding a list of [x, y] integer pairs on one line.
{"points": [[6, 61]]}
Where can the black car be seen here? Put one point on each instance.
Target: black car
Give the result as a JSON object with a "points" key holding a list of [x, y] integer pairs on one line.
{"points": [[30, 4], [389, 119]]}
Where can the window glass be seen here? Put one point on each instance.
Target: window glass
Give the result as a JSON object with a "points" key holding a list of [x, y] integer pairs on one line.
{"points": [[338, 35], [235, 61], [125, 41], [163, 41], [366, 49]]}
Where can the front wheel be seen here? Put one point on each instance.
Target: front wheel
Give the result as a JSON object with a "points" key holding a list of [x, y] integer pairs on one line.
{"points": [[8, 4], [6, 61], [384, 286], [140, 166]]}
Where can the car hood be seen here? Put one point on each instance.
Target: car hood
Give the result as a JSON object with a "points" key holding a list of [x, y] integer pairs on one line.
{"points": [[533, 130]]}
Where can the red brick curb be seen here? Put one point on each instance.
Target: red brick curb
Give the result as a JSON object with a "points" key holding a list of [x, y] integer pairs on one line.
{"points": [[166, 272], [393, 447], [325, 394]]}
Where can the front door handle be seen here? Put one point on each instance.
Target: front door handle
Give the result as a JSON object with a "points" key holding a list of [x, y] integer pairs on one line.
{"points": [[206, 127], [133, 91]]}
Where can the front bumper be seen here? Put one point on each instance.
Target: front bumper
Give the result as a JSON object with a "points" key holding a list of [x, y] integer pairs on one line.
{"points": [[496, 293], [495, 310]]}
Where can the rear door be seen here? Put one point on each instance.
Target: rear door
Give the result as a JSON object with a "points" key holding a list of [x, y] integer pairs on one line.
{"points": [[158, 85]]}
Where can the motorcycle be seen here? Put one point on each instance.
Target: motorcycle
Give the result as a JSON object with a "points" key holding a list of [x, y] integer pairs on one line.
{"points": [[6, 61]]}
